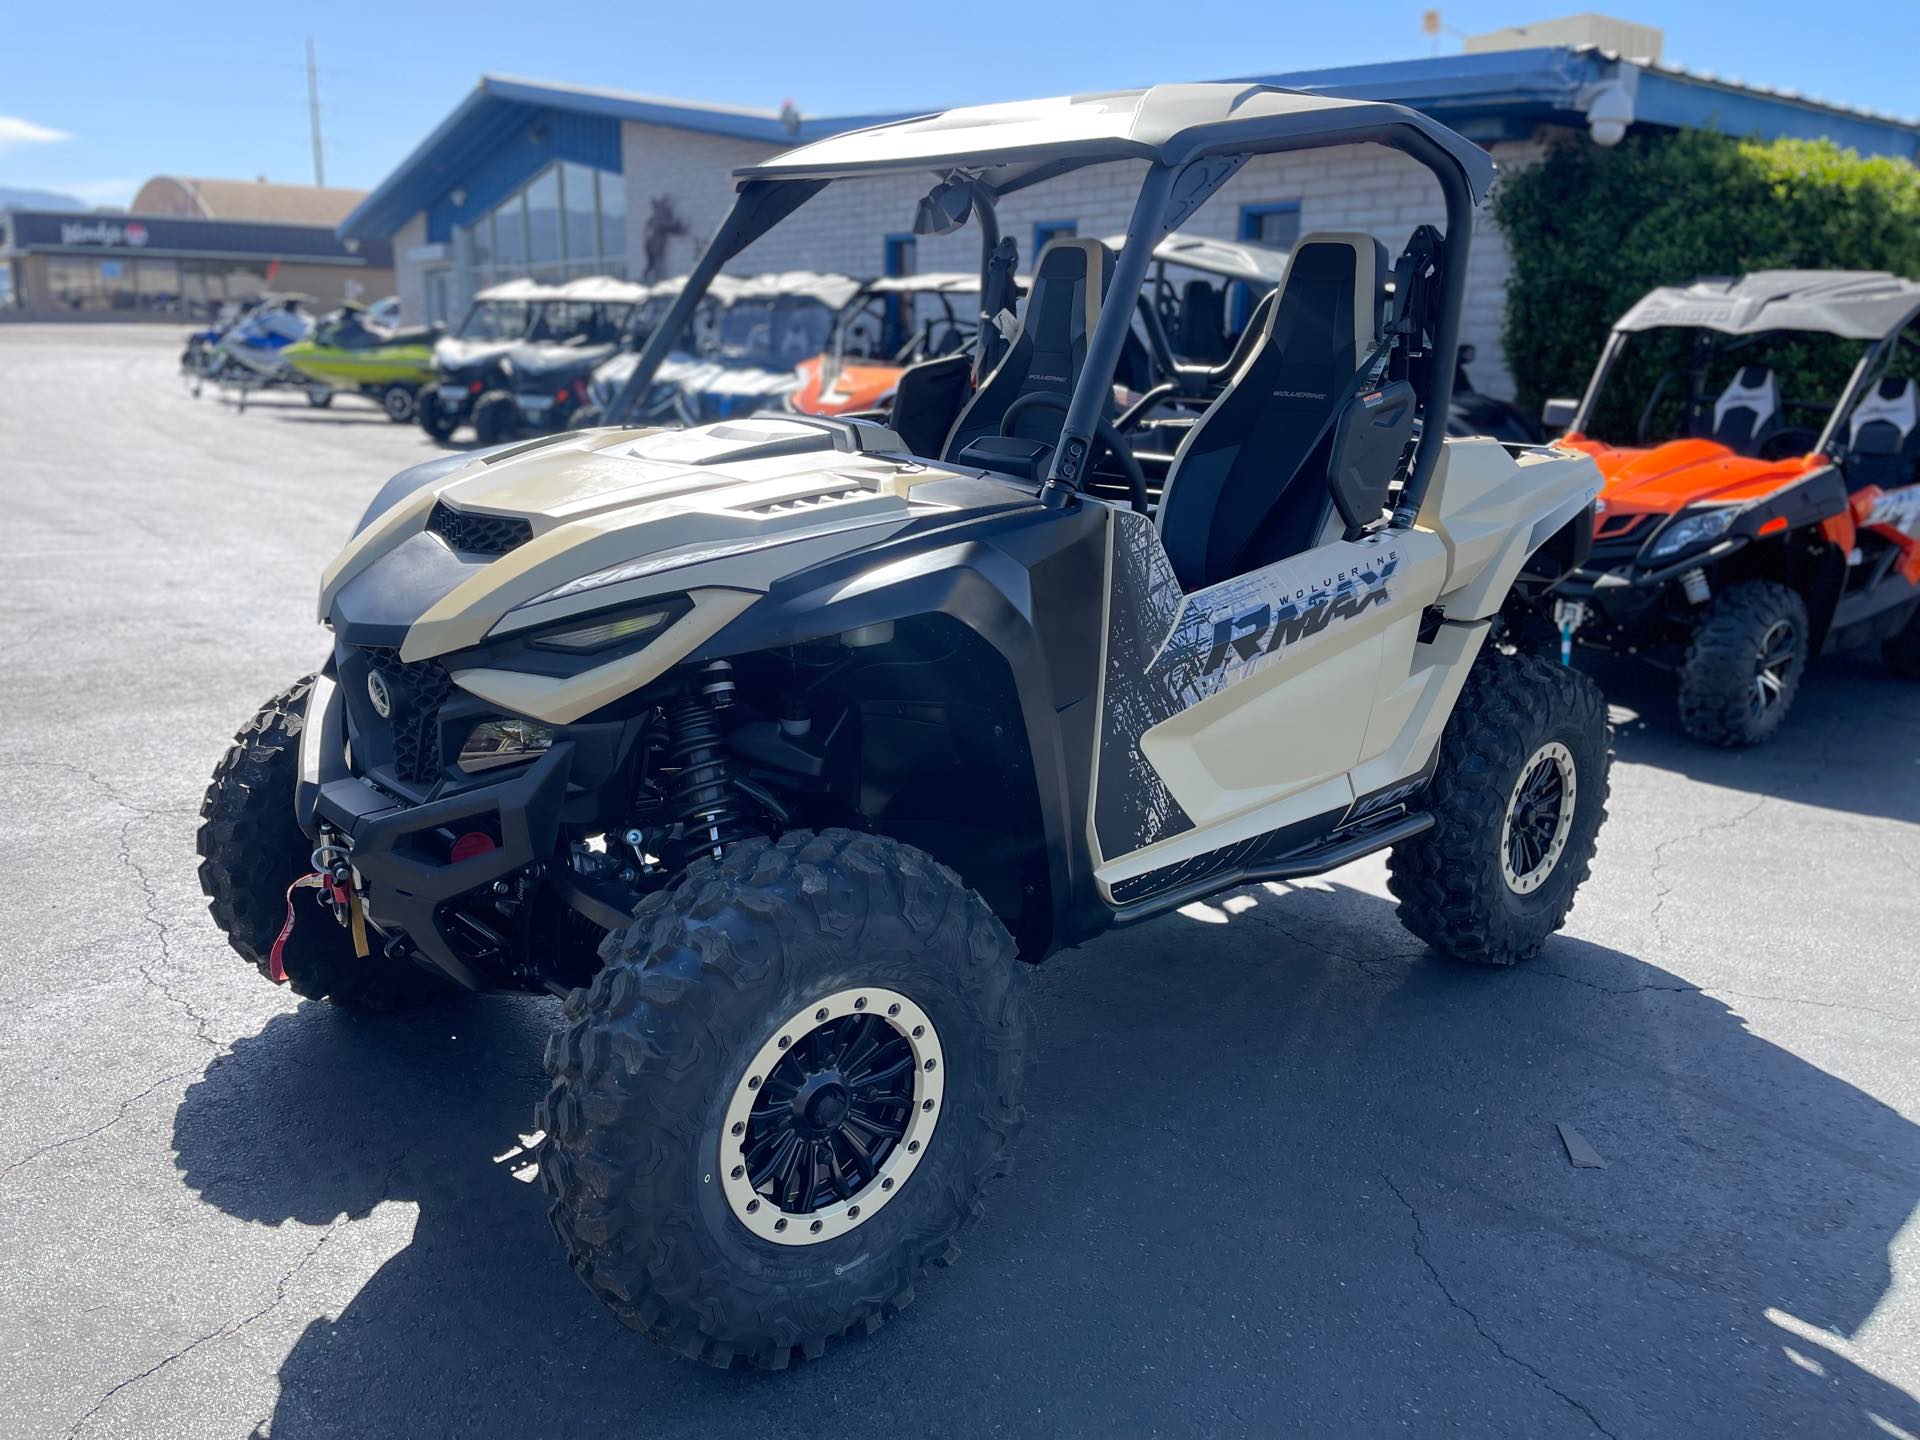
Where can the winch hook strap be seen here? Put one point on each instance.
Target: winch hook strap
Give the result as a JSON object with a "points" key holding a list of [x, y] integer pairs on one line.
{"points": [[276, 964]]}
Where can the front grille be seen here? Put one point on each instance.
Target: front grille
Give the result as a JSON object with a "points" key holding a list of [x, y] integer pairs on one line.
{"points": [[416, 692], [477, 534]]}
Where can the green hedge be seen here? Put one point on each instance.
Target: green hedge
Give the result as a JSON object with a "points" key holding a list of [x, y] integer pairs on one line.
{"points": [[1592, 230]]}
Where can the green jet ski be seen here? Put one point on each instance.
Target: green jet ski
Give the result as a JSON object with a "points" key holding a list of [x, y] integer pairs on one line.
{"points": [[348, 351]]}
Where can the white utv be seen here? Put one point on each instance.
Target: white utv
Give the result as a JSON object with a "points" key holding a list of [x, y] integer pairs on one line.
{"points": [[780, 746]]}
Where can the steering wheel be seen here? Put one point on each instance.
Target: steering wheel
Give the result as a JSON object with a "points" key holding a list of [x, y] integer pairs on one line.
{"points": [[1103, 431], [1789, 442]]}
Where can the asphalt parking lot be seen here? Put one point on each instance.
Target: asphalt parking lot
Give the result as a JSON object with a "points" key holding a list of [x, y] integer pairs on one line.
{"points": [[1284, 1173]]}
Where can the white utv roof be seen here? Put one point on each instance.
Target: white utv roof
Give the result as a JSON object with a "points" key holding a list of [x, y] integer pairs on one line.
{"points": [[931, 282], [1012, 145], [1234, 259], [603, 289], [522, 289], [832, 291], [1853, 304]]}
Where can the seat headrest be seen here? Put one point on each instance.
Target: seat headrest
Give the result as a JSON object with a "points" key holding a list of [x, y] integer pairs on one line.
{"points": [[1751, 388], [1891, 402], [1329, 263], [1070, 280]]}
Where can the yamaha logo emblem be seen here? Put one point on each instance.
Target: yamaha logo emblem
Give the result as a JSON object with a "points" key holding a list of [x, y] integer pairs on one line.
{"points": [[378, 693]]}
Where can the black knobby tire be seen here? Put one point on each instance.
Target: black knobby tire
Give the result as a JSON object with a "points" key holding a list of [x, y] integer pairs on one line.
{"points": [[400, 401], [496, 417], [1718, 678], [587, 417], [1901, 650], [433, 416], [252, 849], [1450, 881], [653, 1051]]}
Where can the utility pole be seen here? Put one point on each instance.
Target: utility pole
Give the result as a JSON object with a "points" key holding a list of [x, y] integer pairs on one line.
{"points": [[313, 118]]}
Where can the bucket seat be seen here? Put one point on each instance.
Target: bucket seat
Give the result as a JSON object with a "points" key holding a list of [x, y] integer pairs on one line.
{"points": [[1249, 482]]}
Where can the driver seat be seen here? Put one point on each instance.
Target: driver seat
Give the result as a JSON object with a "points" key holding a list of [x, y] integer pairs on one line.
{"points": [[1248, 484], [1048, 347], [1747, 412]]}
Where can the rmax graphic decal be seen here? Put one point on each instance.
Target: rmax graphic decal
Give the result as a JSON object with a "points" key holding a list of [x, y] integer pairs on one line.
{"points": [[1166, 653], [1266, 628]]}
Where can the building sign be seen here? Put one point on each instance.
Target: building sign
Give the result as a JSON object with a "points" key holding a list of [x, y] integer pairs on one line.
{"points": [[103, 232]]}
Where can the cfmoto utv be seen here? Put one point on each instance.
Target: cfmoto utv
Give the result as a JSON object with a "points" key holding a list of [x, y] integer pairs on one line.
{"points": [[780, 746], [1758, 512]]}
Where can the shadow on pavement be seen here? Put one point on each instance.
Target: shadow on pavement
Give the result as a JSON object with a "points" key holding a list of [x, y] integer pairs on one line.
{"points": [[1283, 1172], [1848, 743]]}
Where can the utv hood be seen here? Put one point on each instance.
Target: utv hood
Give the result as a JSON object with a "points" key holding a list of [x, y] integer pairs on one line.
{"points": [[1670, 477], [537, 533], [451, 356]]}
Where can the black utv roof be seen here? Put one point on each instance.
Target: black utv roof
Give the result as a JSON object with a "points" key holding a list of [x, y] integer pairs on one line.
{"points": [[1853, 304], [1013, 145]]}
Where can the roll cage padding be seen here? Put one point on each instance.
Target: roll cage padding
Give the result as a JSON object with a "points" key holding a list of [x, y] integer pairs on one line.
{"points": [[1246, 480], [1049, 347]]}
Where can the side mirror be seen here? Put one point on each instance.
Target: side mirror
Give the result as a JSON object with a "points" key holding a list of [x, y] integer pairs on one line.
{"points": [[1369, 440], [1557, 415], [944, 209]]}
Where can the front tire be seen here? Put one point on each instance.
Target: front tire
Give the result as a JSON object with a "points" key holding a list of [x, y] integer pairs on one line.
{"points": [[496, 417], [433, 416], [1518, 795], [1744, 665], [252, 849], [676, 1190]]}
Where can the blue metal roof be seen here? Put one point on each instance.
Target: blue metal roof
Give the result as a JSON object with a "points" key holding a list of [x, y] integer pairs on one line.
{"points": [[508, 129]]}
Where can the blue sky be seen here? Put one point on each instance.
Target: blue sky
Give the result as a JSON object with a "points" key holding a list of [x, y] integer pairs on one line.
{"points": [[96, 97]]}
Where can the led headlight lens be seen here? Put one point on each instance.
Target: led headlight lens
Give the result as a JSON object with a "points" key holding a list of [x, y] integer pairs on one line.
{"points": [[613, 630], [493, 743], [1691, 530]]}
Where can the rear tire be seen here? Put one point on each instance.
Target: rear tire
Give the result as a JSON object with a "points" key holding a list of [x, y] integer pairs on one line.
{"points": [[496, 417], [398, 400], [656, 1095], [1497, 873], [1901, 650], [433, 416], [252, 849], [1744, 665]]}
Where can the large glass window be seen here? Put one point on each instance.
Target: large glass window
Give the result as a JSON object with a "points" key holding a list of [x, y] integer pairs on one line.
{"points": [[569, 220]]}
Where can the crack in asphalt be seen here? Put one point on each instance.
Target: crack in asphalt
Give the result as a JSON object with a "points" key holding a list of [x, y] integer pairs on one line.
{"points": [[203, 1029], [1714, 991], [1420, 1253], [231, 1327], [1660, 853], [118, 1115], [236, 1325]]}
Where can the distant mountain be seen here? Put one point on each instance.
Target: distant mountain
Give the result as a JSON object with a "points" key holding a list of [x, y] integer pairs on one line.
{"points": [[11, 198]]}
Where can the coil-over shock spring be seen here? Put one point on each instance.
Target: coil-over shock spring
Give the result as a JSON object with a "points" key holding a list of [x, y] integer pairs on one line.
{"points": [[702, 788]]}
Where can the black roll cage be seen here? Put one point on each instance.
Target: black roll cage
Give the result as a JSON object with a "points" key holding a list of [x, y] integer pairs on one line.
{"points": [[1170, 193]]}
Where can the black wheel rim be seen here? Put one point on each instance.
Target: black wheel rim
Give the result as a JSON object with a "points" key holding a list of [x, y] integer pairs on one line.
{"points": [[1536, 814], [830, 1114]]}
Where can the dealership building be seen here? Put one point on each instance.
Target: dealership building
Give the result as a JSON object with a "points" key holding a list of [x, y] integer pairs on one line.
{"points": [[186, 247], [528, 178]]}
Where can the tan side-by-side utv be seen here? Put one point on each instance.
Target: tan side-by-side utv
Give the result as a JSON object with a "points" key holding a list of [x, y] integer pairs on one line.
{"points": [[781, 746]]}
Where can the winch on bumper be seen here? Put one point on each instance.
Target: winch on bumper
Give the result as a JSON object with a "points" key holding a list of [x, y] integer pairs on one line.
{"points": [[416, 848]]}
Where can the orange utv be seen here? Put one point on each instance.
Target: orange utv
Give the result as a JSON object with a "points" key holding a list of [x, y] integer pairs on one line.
{"points": [[893, 323], [1759, 446]]}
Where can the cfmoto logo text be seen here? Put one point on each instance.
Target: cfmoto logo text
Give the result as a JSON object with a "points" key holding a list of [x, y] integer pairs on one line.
{"points": [[378, 693], [1266, 628]]}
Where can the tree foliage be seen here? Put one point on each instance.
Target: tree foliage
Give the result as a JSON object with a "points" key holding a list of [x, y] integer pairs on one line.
{"points": [[1591, 230]]}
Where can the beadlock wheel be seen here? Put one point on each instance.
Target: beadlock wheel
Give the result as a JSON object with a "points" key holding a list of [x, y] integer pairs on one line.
{"points": [[1540, 810], [831, 1116]]}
